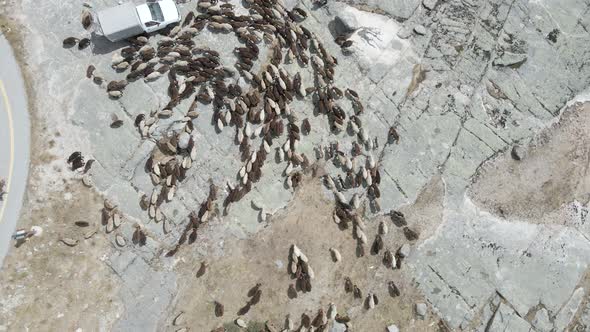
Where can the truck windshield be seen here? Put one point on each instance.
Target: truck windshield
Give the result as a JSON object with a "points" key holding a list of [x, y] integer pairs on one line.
{"points": [[156, 12]]}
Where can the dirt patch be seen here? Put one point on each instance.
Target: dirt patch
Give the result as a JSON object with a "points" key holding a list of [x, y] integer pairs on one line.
{"points": [[264, 259], [426, 214], [49, 286], [554, 171]]}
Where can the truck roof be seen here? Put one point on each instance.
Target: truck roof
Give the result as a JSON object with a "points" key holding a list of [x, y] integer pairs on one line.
{"points": [[120, 22]]}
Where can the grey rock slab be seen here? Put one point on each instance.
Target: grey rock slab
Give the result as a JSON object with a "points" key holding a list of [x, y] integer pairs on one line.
{"points": [[273, 192], [401, 9], [518, 91], [465, 157], [541, 321], [506, 319], [120, 260], [555, 15], [558, 283], [505, 120], [137, 274], [382, 105], [378, 48], [469, 59], [139, 97], [484, 134], [429, 4], [565, 315], [393, 86], [127, 198], [175, 211], [409, 170], [195, 189], [121, 193], [488, 255], [141, 181], [103, 137], [346, 21], [404, 33], [561, 77], [489, 310], [510, 59], [146, 294], [136, 162], [420, 30], [494, 12], [391, 196]]}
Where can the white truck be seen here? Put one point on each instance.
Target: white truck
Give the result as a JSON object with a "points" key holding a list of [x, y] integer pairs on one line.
{"points": [[127, 20]]}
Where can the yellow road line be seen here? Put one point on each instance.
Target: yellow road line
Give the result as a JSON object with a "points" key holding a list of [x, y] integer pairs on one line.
{"points": [[11, 129]]}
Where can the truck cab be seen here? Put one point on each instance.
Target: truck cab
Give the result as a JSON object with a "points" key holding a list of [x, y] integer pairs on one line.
{"points": [[157, 15], [128, 20]]}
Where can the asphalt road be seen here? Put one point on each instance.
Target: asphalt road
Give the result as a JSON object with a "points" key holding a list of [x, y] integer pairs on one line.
{"points": [[14, 143]]}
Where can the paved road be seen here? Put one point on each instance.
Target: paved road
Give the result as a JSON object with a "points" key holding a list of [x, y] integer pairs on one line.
{"points": [[14, 143]]}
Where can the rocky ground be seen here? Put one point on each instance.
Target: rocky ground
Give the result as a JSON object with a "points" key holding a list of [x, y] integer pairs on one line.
{"points": [[490, 171]]}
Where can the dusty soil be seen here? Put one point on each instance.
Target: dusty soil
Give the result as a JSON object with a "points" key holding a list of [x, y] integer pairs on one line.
{"points": [[263, 259], [49, 286], [558, 159]]}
